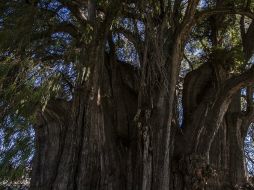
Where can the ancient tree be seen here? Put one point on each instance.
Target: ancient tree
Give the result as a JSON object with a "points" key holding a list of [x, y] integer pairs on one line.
{"points": [[100, 83]]}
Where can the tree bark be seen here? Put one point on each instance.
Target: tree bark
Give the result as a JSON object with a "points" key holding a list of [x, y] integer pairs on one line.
{"points": [[97, 145], [114, 136], [210, 153], [119, 130]]}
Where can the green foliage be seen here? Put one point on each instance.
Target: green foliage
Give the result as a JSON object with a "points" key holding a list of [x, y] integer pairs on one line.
{"points": [[16, 151], [36, 63], [231, 59]]}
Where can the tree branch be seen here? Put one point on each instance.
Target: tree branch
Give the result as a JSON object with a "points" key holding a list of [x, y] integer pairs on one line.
{"points": [[236, 83], [191, 9], [220, 107], [207, 13]]}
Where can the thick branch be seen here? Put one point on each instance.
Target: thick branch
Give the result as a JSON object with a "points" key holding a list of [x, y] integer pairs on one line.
{"points": [[219, 108], [191, 9], [236, 83], [207, 13]]}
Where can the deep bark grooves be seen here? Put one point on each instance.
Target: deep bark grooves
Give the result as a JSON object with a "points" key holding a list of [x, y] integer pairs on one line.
{"points": [[99, 151], [220, 106], [237, 169], [125, 82], [73, 143], [50, 135], [96, 144], [231, 170], [217, 154], [196, 110]]}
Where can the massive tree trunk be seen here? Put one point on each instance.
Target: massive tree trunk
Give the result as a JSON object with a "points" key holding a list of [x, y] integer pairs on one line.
{"points": [[119, 130], [227, 151], [110, 136], [102, 139], [210, 153], [93, 142], [105, 138]]}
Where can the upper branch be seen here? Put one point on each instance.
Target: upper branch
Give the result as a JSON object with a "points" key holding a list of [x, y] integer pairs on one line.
{"points": [[206, 13], [236, 83], [191, 9]]}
